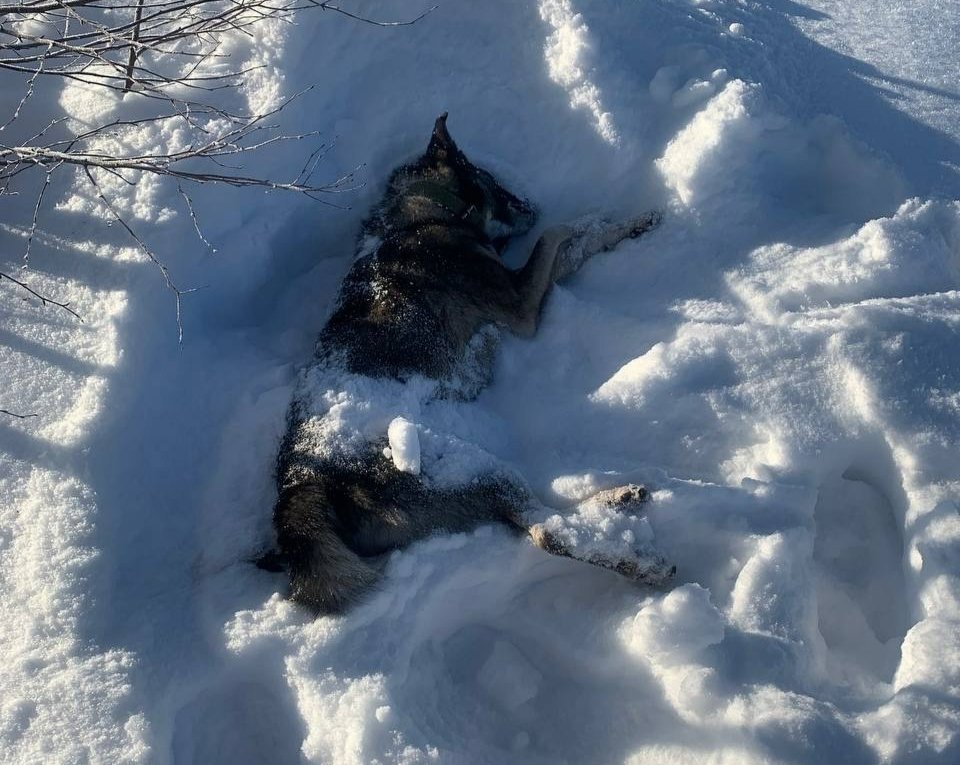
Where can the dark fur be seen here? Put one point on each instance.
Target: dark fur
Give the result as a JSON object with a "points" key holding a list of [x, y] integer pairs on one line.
{"points": [[394, 316], [415, 306]]}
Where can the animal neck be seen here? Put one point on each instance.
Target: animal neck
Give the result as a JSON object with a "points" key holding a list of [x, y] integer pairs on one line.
{"points": [[445, 236], [428, 201]]}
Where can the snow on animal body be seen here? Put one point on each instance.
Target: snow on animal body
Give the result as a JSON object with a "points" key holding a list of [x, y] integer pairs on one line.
{"points": [[417, 319]]}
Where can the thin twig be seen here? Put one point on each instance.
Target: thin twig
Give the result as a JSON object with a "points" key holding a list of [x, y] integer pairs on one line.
{"points": [[18, 416], [374, 22], [44, 299], [178, 293], [193, 217], [26, 96], [36, 213]]}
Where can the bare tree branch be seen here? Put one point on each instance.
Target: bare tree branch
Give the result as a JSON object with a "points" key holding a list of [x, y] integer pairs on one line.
{"points": [[193, 217], [18, 416], [36, 213], [44, 299], [178, 293], [170, 53], [132, 60], [356, 17]]}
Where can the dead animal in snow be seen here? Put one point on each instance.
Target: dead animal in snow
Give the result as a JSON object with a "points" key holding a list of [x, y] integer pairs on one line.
{"points": [[420, 311]]}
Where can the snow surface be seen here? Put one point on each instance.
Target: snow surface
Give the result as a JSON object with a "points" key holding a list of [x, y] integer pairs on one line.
{"points": [[777, 362]]}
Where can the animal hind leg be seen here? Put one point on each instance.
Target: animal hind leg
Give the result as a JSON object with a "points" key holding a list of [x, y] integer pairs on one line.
{"points": [[627, 544], [325, 574]]}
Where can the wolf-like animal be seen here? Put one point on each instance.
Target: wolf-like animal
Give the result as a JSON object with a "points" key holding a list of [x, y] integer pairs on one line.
{"points": [[416, 321]]}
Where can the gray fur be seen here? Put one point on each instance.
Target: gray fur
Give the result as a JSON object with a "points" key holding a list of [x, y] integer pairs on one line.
{"points": [[420, 305]]}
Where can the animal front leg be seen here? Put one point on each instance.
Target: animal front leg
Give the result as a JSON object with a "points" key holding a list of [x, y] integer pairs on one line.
{"points": [[592, 235], [606, 530], [534, 280], [560, 252]]}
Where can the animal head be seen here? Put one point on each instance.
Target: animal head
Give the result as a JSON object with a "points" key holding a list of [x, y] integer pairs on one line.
{"points": [[445, 186], [502, 213]]}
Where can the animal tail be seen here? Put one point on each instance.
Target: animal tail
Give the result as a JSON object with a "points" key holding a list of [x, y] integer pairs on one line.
{"points": [[325, 574]]}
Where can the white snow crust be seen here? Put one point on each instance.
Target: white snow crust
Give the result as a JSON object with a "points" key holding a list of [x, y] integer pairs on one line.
{"points": [[778, 363]]}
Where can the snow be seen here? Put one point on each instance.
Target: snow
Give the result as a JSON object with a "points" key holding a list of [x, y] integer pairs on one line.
{"points": [[404, 445], [776, 362]]}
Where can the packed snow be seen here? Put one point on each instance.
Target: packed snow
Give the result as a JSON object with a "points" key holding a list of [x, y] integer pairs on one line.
{"points": [[404, 445], [777, 363]]}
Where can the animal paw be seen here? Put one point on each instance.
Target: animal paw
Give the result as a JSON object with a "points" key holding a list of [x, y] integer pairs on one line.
{"points": [[647, 567], [613, 233], [610, 531], [592, 234], [644, 223], [547, 541], [622, 498]]}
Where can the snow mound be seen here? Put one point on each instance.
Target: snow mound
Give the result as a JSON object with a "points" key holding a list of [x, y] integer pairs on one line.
{"points": [[404, 445]]}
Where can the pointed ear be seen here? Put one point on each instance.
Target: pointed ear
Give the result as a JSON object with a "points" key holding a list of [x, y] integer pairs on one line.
{"points": [[441, 145]]}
